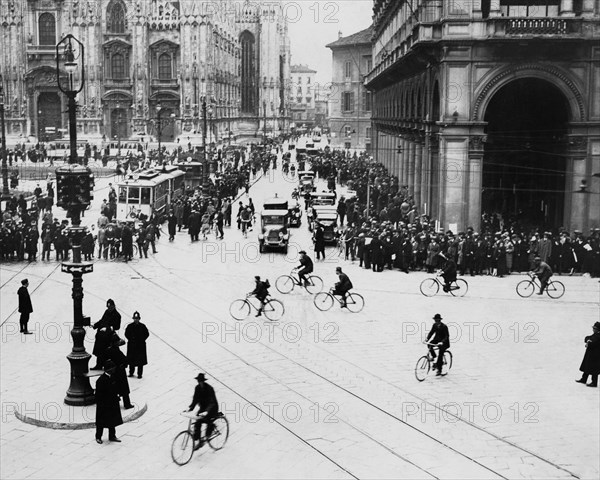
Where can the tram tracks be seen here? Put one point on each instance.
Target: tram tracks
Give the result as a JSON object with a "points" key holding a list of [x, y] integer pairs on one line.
{"points": [[346, 391]]}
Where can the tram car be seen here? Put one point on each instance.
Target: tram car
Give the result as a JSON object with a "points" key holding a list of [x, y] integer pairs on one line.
{"points": [[193, 173], [149, 191]]}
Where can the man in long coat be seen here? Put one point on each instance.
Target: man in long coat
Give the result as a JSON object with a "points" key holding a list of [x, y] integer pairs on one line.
{"points": [[115, 354], [25, 307], [591, 360], [106, 326], [136, 334], [108, 412]]}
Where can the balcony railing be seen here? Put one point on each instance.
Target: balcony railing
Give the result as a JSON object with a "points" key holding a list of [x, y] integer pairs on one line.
{"points": [[536, 26]]}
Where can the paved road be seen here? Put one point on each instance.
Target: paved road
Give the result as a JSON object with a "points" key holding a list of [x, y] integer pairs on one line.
{"points": [[316, 395]]}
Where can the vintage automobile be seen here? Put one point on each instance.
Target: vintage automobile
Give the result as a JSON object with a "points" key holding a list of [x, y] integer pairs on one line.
{"points": [[295, 216], [327, 219], [322, 198], [306, 182], [275, 203], [274, 230]]}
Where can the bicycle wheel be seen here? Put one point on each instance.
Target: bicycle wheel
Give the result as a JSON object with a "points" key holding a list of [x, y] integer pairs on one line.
{"points": [[315, 284], [239, 309], [355, 302], [135, 250], [274, 309], [112, 253], [284, 284], [220, 433], [182, 448], [525, 288], [446, 362], [555, 289], [323, 301], [422, 368], [462, 285], [429, 287]]}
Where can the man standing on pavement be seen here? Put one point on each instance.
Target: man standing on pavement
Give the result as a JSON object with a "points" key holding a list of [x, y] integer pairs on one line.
{"points": [[25, 307], [136, 334], [106, 326], [108, 411], [439, 335], [205, 398], [591, 360]]}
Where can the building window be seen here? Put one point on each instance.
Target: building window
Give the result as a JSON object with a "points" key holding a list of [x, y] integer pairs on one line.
{"points": [[368, 132], [116, 18], [367, 101], [165, 67], [369, 65], [299, 80], [308, 99], [347, 101], [524, 8], [348, 70], [117, 65], [347, 145], [308, 80], [47, 25]]}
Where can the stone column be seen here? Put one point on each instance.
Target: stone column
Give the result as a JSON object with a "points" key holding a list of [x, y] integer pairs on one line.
{"points": [[410, 150], [475, 181], [403, 157], [411, 167], [454, 153], [418, 172], [566, 8], [495, 9]]}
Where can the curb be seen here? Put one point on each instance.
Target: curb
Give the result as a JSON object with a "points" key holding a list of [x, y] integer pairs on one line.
{"points": [[75, 426]]}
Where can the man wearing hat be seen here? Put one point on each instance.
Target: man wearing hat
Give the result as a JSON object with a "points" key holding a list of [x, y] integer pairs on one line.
{"points": [[205, 398], [591, 360], [305, 267], [25, 307], [543, 272], [448, 271], [108, 412], [136, 334], [439, 335]]}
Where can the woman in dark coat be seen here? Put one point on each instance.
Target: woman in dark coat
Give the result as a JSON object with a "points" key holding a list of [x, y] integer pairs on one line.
{"points": [[591, 360], [115, 354], [136, 334], [108, 412]]}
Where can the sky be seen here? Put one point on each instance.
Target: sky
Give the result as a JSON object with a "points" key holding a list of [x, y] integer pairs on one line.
{"points": [[315, 23]]}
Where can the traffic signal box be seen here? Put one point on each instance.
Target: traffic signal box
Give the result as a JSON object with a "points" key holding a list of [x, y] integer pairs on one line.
{"points": [[74, 186]]}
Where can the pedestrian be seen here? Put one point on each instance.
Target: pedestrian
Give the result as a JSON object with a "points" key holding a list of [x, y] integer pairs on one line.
{"points": [[25, 307], [319, 241], [108, 412], [172, 225], [591, 360], [438, 336], [136, 334], [115, 354], [106, 326]]}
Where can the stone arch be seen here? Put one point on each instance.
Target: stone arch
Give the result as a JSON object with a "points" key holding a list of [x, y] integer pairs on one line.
{"points": [[557, 77]]}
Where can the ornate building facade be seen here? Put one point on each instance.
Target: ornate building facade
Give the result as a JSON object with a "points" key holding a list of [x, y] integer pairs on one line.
{"points": [[490, 106], [142, 57], [350, 102]]}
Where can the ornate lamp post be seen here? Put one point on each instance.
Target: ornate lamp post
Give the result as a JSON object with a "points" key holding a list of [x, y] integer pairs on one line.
{"points": [[264, 122], [74, 185], [5, 192]]}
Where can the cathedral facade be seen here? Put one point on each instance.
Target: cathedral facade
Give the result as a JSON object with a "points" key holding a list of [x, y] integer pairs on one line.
{"points": [[150, 67]]}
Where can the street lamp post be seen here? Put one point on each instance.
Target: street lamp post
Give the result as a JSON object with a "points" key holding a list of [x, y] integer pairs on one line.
{"points": [[5, 191], [75, 191]]}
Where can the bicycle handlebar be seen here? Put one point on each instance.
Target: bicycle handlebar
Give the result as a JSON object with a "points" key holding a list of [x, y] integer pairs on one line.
{"points": [[432, 344]]}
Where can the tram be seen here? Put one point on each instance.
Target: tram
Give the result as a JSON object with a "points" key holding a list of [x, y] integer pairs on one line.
{"points": [[149, 191]]}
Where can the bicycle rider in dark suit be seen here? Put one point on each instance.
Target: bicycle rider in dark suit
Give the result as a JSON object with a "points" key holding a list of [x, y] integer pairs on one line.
{"points": [[448, 271], [439, 335], [261, 291], [205, 398], [305, 267]]}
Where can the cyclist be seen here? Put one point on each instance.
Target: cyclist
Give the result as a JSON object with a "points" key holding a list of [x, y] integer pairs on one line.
{"points": [[261, 291], [246, 218], [205, 398], [305, 267], [438, 334], [543, 273], [448, 272], [343, 286]]}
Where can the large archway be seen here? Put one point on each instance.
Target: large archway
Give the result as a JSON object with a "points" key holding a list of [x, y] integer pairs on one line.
{"points": [[524, 164], [248, 81]]}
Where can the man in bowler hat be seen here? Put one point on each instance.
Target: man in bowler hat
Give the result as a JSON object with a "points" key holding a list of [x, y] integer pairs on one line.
{"points": [[106, 326], [136, 334], [439, 335], [108, 412], [591, 360], [25, 307]]}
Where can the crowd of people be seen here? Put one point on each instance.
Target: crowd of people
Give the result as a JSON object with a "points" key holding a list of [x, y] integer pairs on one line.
{"points": [[392, 233]]}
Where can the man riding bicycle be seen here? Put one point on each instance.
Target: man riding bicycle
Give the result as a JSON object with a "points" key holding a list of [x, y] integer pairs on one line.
{"points": [[343, 286], [246, 218], [261, 291], [448, 272], [543, 273], [305, 267], [205, 398], [439, 335]]}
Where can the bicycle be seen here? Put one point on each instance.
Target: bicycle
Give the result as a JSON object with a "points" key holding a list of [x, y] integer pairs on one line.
{"points": [[324, 301], [525, 288], [431, 286], [341, 245], [184, 445], [115, 251], [286, 283], [241, 308], [426, 363]]}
